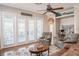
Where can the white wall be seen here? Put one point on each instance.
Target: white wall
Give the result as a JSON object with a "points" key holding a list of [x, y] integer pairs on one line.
{"points": [[45, 24], [67, 21], [76, 19]]}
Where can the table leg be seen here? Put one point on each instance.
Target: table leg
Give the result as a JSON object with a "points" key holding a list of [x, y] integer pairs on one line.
{"points": [[48, 51], [31, 54], [41, 54], [38, 54]]}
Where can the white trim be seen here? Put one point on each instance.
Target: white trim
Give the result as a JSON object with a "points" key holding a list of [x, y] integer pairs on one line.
{"points": [[64, 16], [0, 28]]}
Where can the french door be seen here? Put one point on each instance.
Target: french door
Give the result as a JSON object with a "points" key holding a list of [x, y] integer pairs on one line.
{"points": [[39, 27], [31, 29], [19, 29], [8, 32], [35, 28]]}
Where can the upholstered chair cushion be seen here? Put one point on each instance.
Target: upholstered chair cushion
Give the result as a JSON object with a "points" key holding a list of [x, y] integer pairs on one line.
{"points": [[46, 38], [44, 41], [73, 38], [57, 43]]}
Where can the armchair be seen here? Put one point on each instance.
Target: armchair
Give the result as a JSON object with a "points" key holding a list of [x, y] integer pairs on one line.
{"points": [[46, 38]]}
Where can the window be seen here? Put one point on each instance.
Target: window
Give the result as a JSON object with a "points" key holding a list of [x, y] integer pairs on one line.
{"points": [[21, 29], [8, 28]]}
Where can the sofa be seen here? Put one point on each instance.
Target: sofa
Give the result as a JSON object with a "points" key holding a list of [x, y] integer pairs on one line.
{"points": [[68, 50], [63, 50], [70, 38]]}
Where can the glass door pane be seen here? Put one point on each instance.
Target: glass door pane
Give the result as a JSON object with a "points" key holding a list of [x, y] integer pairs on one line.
{"points": [[8, 29], [31, 29], [21, 29], [39, 27]]}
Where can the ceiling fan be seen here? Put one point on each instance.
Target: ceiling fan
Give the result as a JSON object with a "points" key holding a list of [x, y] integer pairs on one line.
{"points": [[50, 9]]}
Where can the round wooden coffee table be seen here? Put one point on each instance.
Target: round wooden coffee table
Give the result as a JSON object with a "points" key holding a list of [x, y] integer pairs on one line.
{"points": [[39, 49]]}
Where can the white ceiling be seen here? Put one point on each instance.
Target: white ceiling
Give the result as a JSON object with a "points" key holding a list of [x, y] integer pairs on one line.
{"points": [[34, 7]]}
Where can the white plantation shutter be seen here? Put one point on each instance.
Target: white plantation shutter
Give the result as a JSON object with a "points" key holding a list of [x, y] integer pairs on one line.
{"points": [[21, 29], [39, 27], [8, 21], [31, 28], [17, 29]]}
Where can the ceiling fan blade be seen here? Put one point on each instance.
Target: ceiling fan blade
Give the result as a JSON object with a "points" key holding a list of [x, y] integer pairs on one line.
{"points": [[54, 12], [58, 8], [44, 12]]}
